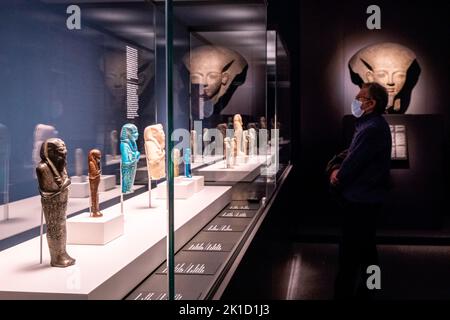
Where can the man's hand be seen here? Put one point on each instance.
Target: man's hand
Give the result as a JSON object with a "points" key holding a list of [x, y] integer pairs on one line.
{"points": [[333, 177]]}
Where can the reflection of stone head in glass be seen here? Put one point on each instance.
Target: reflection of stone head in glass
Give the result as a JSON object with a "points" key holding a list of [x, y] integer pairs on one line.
{"points": [[129, 133], [214, 68], [113, 65], [54, 151], [385, 63]]}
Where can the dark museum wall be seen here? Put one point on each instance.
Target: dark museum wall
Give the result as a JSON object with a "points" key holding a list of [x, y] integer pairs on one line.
{"points": [[330, 33]]}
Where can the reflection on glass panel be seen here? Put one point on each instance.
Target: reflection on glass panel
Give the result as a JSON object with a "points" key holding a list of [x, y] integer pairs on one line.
{"points": [[283, 103], [87, 101], [79, 85]]}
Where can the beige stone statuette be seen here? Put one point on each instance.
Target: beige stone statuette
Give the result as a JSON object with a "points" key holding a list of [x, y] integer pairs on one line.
{"points": [[155, 151]]}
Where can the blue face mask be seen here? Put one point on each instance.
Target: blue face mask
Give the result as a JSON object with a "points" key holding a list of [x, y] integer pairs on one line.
{"points": [[356, 108]]}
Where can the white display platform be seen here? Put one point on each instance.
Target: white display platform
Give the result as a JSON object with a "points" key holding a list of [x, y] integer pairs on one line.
{"points": [[83, 229], [79, 187], [113, 270], [199, 181], [107, 182], [183, 189], [25, 214], [205, 160], [240, 172]]}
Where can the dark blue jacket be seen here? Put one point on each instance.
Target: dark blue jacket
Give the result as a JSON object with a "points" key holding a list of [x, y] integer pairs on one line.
{"points": [[364, 174]]}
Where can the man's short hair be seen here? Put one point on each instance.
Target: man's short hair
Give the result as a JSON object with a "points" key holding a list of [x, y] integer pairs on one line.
{"points": [[379, 94]]}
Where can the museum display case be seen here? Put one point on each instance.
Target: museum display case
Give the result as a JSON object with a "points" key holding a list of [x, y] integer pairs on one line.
{"points": [[142, 144]]}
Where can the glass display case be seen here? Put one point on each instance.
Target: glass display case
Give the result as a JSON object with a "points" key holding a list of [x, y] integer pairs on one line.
{"points": [[142, 145]]}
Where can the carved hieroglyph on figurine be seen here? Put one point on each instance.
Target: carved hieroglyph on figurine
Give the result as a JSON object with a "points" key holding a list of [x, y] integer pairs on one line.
{"points": [[218, 71], [130, 156], [390, 64], [95, 173], [53, 187], [155, 151]]}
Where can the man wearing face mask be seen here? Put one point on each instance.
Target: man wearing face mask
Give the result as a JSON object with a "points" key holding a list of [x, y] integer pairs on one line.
{"points": [[360, 181]]}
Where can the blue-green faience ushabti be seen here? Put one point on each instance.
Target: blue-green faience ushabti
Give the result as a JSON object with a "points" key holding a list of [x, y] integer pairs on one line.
{"points": [[130, 156], [187, 163]]}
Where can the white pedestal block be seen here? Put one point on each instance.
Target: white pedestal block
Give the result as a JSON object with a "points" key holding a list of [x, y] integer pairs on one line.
{"points": [[79, 188], [245, 172], [199, 182], [183, 189], [83, 229], [107, 182]]}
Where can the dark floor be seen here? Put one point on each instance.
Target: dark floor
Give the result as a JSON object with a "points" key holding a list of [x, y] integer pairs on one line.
{"points": [[407, 272]]}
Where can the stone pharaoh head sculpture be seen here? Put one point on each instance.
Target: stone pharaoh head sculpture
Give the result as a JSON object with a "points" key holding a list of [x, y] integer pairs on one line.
{"points": [[387, 64], [216, 69]]}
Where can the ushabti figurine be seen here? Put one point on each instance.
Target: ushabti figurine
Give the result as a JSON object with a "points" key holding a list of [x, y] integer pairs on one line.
{"points": [[238, 134], [130, 156], [95, 173], [227, 151], [155, 151], [233, 151], [53, 187], [176, 162], [252, 142]]}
